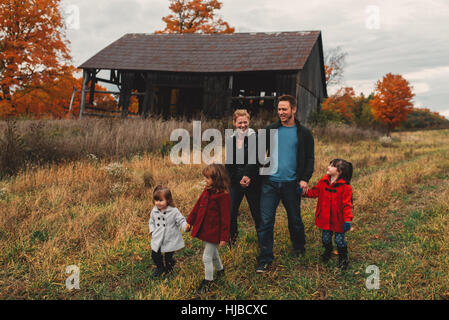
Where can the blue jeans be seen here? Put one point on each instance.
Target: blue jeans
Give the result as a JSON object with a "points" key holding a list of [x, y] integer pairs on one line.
{"points": [[271, 194]]}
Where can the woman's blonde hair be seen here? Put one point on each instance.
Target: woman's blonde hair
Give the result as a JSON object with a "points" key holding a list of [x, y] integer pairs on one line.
{"points": [[219, 176], [240, 113]]}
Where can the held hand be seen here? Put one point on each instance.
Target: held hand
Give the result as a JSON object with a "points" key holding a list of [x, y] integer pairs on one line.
{"points": [[347, 226], [245, 181], [299, 191], [304, 186], [222, 243], [187, 228]]}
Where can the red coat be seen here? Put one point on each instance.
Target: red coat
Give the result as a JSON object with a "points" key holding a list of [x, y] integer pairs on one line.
{"points": [[334, 206], [210, 218]]}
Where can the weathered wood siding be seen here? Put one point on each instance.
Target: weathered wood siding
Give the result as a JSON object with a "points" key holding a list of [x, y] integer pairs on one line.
{"points": [[286, 83], [310, 89], [216, 95]]}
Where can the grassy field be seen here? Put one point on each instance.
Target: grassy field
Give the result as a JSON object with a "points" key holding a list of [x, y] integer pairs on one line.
{"points": [[94, 214]]}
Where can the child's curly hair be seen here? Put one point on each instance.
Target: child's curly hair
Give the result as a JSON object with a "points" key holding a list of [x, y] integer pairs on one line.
{"points": [[219, 176], [161, 192]]}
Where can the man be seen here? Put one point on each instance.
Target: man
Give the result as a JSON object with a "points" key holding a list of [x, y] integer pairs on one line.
{"points": [[293, 152]]}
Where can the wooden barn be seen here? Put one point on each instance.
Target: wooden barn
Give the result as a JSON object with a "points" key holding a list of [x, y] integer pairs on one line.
{"points": [[209, 74]]}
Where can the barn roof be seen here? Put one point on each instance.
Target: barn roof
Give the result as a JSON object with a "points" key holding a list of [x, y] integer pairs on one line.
{"points": [[234, 52]]}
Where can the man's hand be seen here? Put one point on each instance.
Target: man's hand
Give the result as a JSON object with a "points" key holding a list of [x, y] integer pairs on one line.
{"points": [[187, 228], [245, 182], [304, 186], [222, 243]]}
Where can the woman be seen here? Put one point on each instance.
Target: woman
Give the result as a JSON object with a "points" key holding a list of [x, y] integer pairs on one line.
{"points": [[241, 164]]}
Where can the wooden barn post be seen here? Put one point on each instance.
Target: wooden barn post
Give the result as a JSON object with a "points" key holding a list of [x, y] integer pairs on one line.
{"points": [[125, 92], [93, 81], [229, 97], [83, 92], [148, 99], [300, 107]]}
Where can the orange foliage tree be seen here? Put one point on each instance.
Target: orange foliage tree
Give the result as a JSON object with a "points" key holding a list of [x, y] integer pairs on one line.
{"points": [[342, 102], [52, 99], [392, 101], [33, 52], [194, 16]]}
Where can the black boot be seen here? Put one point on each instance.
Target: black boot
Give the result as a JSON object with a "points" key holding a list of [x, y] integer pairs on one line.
{"points": [[328, 247], [343, 258], [169, 262], [158, 261], [220, 273], [204, 286], [158, 272]]}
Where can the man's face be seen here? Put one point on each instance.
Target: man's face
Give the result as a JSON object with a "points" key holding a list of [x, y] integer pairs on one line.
{"points": [[285, 111]]}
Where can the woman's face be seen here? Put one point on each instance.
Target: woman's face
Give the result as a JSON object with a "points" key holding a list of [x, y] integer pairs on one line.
{"points": [[241, 123]]}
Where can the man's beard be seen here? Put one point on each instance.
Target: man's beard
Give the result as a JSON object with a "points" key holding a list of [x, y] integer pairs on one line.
{"points": [[289, 117]]}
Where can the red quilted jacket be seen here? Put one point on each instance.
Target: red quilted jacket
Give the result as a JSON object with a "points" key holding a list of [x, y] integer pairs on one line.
{"points": [[210, 218], [334, 206]]}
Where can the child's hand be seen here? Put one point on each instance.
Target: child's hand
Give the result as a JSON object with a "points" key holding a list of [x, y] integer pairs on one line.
{"points": [[245, 182], [187, 228], [222, 243], [347, 226], [304, 186]]}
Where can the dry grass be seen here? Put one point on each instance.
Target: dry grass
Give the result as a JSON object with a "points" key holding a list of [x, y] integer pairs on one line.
{"points": [[94, 214], [38, 142]]}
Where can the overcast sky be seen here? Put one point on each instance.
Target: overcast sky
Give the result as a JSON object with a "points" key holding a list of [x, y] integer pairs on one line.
{"points": [[406, 37]]}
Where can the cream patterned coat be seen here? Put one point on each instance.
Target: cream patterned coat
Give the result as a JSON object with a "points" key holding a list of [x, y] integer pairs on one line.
{"points": [[164, 229]]}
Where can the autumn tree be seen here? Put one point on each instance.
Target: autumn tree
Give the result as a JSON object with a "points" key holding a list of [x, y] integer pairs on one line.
{"points": [[33, 49], [195, 16], [392, 101], [362, 114], [52, 99], [334, 63], [342, 103]]}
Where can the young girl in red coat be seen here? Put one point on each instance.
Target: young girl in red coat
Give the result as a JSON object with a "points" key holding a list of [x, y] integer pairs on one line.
{"points": [[334, 208], [210, 220]]}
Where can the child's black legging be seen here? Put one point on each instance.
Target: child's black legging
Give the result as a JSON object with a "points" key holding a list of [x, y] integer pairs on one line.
{"points": [[159, 259], [326, 237]]}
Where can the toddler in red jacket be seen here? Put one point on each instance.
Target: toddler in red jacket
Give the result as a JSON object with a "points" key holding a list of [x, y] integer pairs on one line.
{"points": [[334, 208], [210, 220]]}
